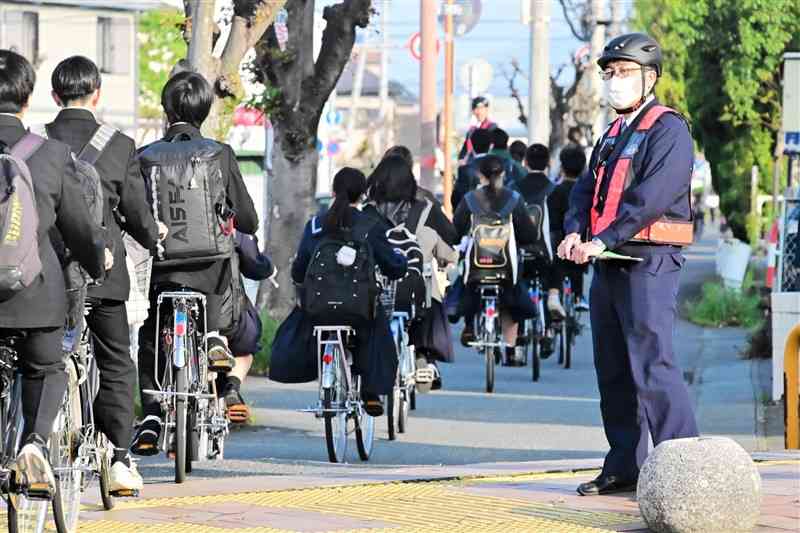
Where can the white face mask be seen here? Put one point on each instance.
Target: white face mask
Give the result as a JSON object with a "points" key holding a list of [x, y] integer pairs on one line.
{"points": [[624, 92]]}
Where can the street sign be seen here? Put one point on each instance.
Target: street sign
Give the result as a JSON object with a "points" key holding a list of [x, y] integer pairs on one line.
{"points": [[466, 14], [415, 46], [476, 76], [791, 102]]}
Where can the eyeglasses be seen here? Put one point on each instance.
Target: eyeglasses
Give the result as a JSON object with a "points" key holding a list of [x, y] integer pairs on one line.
{"points": [[609, 73]]}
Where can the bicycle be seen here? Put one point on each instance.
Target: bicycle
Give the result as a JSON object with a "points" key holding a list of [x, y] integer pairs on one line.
{"points": [[195, 425], [534, 330], [570, 326], [340, 395], [26, 503], [489, 331]]}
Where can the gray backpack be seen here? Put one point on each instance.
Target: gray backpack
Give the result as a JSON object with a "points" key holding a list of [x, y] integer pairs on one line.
{"points": [[20, 264], [187, 191]]}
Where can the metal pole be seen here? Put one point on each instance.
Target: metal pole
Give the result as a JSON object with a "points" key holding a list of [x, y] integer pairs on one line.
{"points": [[539, 89], [428, 105], [384, 92], [447, 186], [597, 44]]}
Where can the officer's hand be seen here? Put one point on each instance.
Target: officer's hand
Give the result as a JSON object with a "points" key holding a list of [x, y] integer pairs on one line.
{"points": [[163, 230], [582, 253], [565, 248], [109, 260]]}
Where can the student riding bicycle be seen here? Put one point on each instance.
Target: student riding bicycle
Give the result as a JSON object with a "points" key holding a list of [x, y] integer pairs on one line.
{"points": [[196, 254], [365, 244], [498, 206], [394, 197]]}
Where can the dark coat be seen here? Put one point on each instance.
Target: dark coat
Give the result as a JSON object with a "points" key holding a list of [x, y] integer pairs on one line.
{"points": [[467, 179], [662, 169], [61, 205], [375, 358], [214, 276], [124, 194]]}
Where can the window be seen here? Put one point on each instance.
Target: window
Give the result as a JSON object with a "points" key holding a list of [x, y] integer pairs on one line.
{"points": [[114, 45], [22, 33]]}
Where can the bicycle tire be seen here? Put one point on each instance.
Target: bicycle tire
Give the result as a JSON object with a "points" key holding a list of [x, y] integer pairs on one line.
{"points": [[105, 481], [402, 410], [536, 358], [27, 515], [181, 386], [569, 340], [490, 364], [412, 404], [336, 453], [192, 438], [391, 405], [64, 442], [365, 429]]}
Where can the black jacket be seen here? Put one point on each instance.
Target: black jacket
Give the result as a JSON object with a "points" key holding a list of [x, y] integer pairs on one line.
{"points": [[124, 194], [524, 230], [61, 204], [534, 187], [467, 179], [212, 277], [558, 204]]}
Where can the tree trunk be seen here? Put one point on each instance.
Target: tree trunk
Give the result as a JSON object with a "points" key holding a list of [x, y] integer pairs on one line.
{"points": [[293, 182]]}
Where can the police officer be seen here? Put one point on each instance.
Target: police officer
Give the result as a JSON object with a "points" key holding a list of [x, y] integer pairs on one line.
{"points": [[635, 201]]}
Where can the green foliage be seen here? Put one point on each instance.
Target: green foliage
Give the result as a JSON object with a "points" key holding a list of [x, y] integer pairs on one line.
{"points": [[262, 359], [720, 307], [721, 68], [161, 45]]}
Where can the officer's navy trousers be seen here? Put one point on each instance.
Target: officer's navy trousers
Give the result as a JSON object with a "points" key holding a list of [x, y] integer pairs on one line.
{"points": [[642, 392]]}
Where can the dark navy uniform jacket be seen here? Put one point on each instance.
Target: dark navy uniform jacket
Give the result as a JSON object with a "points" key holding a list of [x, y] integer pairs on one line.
{"points": [[662, 169], [392, 265]]}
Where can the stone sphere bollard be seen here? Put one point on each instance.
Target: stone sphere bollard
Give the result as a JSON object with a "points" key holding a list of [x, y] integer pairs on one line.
{"points": [[699, 485]]}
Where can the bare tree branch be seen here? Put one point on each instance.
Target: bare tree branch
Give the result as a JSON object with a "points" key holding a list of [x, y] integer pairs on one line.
{"points": [[569, 15], [512, 87]]}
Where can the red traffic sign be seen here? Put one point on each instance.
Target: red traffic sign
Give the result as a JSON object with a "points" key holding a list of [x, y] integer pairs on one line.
{"points": [[415, 46]]}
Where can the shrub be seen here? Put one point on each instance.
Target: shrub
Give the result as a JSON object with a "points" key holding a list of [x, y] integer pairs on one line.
{"points": [[262, 359], [719, 307]]}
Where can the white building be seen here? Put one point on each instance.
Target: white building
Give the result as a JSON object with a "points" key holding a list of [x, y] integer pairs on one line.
{"points": [[47, 31]]}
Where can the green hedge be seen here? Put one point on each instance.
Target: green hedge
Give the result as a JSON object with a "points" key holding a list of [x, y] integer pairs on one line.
{"points": [[263, 358], [720, 307]]}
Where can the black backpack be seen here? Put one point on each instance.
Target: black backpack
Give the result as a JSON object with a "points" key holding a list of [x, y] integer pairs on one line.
{"points": [[337, 295], [75, 276], [492, 234], [411, 295], [187, 191]]}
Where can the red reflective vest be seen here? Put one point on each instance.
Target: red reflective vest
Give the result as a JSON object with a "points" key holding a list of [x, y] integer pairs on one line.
{"points": [[664, 231]]}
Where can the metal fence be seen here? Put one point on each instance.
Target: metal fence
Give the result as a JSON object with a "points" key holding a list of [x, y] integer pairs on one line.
{"points": [[789, 247]]}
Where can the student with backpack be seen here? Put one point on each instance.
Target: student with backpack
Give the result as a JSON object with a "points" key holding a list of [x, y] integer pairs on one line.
{"points": [[468, 177], [427, 235], [40, 193], [76, 85], [201, 214], [335, 266], [496, 222]]}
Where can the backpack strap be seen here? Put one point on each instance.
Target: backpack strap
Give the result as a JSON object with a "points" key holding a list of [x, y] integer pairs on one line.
{"points": [[97, 144], [509, 206], [27, 146], [418, 216], [473, 204]]}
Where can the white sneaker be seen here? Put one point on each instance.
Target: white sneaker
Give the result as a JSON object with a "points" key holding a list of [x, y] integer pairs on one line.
{"points": [[124, 478], [33, 466], [555, 307]]}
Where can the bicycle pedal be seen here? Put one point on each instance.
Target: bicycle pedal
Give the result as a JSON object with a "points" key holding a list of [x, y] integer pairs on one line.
{"points": [[38, 491], [424, 375], [125, 493]]}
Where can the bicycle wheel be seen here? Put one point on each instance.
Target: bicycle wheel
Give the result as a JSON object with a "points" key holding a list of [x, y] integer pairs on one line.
{"points": [[392, 404], [569, 341], [181, 386], [192, 434], [412, 404], [64, 444], [105, 475], [27, 515], [402, 409], [365, 430], [536, 350], [490, 363], [336, 422]]}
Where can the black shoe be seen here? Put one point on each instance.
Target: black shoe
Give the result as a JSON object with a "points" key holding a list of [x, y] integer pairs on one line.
{"points": [[606, 485], [146, 441], [437, 383], [372, 404], [467, 336], [547, 347]]}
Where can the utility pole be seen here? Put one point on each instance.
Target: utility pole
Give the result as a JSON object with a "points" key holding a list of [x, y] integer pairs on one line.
{"points": [[617, 18], [595, 82], [449, 60], [428, 105], [539, 89]]}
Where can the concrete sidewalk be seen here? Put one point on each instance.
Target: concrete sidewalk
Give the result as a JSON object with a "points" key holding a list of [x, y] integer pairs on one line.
{"points": [[504, 497]]}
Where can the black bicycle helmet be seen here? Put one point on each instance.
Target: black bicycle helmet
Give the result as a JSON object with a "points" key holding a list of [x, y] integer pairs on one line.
{"points": [[480, 100], [636, 47]]}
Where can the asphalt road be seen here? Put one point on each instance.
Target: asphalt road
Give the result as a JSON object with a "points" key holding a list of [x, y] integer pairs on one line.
{"points": [[555, 418]]}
